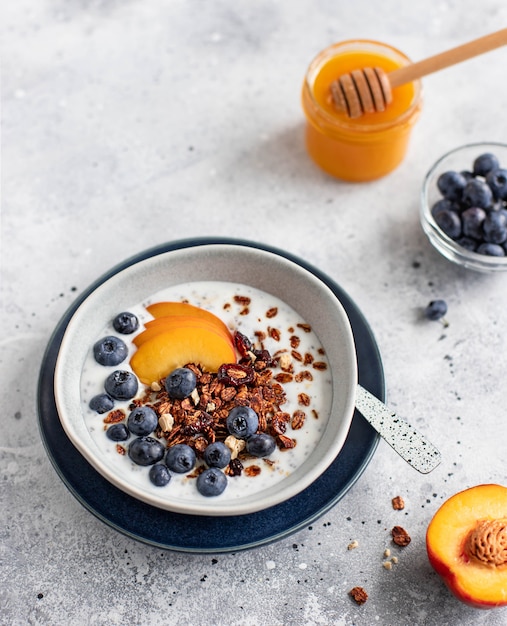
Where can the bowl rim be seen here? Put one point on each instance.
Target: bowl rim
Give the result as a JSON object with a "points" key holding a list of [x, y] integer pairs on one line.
{"points": [[67, 395], [451, 250]]}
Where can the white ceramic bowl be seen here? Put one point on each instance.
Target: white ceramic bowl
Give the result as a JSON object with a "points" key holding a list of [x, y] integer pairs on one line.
{"points": [[459, 159], [263, 270]]}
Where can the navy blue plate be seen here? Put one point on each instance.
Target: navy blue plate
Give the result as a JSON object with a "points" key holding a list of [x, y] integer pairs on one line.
{"points": [[206, 534]]}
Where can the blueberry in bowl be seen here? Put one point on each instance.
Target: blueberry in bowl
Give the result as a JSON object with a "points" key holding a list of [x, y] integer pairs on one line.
{"points": [[464, 206]]}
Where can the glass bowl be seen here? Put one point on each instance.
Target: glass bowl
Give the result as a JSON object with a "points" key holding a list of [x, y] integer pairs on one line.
{"points": [[460, 159]]}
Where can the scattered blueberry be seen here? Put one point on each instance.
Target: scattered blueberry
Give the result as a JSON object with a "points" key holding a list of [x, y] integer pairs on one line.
{"points": [[211, 482], [497, 181], [436, 309], [102, 403], [159, 475], [217, 454], [491, 249], [110, 350], [242, 422], [477, 193], [118, 432], [142, 421], [260, 445], [451, 185], [484, 163], [449, 221], [180, 458], [121, 385], [146, 451], [125, 323], [180, 383]]}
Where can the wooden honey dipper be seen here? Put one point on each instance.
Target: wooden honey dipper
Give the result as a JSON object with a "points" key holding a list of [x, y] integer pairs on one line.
{"points": [[370, 89]]}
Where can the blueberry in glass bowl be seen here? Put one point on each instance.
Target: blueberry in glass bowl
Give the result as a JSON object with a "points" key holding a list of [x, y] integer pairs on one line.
{"points": [[464, 206]]}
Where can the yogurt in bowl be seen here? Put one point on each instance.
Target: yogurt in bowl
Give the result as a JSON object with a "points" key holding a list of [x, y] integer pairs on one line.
{"points": [[279, 306]]}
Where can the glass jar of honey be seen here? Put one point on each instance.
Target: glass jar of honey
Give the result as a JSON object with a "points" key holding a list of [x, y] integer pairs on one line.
{"points": [[367, 147]]}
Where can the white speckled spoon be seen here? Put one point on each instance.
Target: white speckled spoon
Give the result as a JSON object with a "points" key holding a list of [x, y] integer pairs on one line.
{"points": [[411, 445]]}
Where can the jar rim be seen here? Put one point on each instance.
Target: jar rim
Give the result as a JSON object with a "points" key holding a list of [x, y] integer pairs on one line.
{"points": [[332, 122]]}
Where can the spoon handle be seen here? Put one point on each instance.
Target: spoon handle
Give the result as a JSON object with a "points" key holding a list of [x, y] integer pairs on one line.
{"points": [[413, 71], [411, 445]]}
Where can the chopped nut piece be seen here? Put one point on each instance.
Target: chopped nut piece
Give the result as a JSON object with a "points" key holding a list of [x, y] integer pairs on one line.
{"points": [[352, 545], [285, 360], [400, 536], [155, 386], [387, 565], [398, 503], [166, 422], [394, 560], [120, 449], [195, 397], [387, 553], [235, 445], [359, 595]]}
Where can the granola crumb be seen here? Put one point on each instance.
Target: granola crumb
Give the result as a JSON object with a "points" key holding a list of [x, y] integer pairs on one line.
{"points": [[398, 503], [387, 565], [359, 595], [352, 545], [394, 559], [400, 536], [387, 553]]}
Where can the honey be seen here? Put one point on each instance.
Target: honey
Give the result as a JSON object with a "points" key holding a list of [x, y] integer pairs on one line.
{"points": [[368, 147]]}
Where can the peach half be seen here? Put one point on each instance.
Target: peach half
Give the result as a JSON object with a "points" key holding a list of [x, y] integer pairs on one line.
{"points": [[167, 309], [163, 324], [466, 542], [169, 349]]}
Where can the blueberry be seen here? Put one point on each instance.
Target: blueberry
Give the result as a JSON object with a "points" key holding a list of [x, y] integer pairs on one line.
{"points": [[441, 205], [121, 385], [497, 182], [142, 421], [472, 220], [477, 193], [110, 350], [159, 475], [146, 451], [485, 163], [118, 432], [217, 455], [490, 249], [242, 422], [125, 323], [435, 310], [468, 243], [495, 227], [102, 403], [260, 445], [180, 458], [211, 482], [451, 185], [449, 222], [180, 383]]}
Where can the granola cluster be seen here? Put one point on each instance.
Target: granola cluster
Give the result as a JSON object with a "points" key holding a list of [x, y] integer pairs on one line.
{"points": [[201, 418]]}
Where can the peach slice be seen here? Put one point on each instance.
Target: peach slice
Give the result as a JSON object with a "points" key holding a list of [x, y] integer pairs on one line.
{"points": [[162, 324], [167, 350], [466, 542], [166, 309]]}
